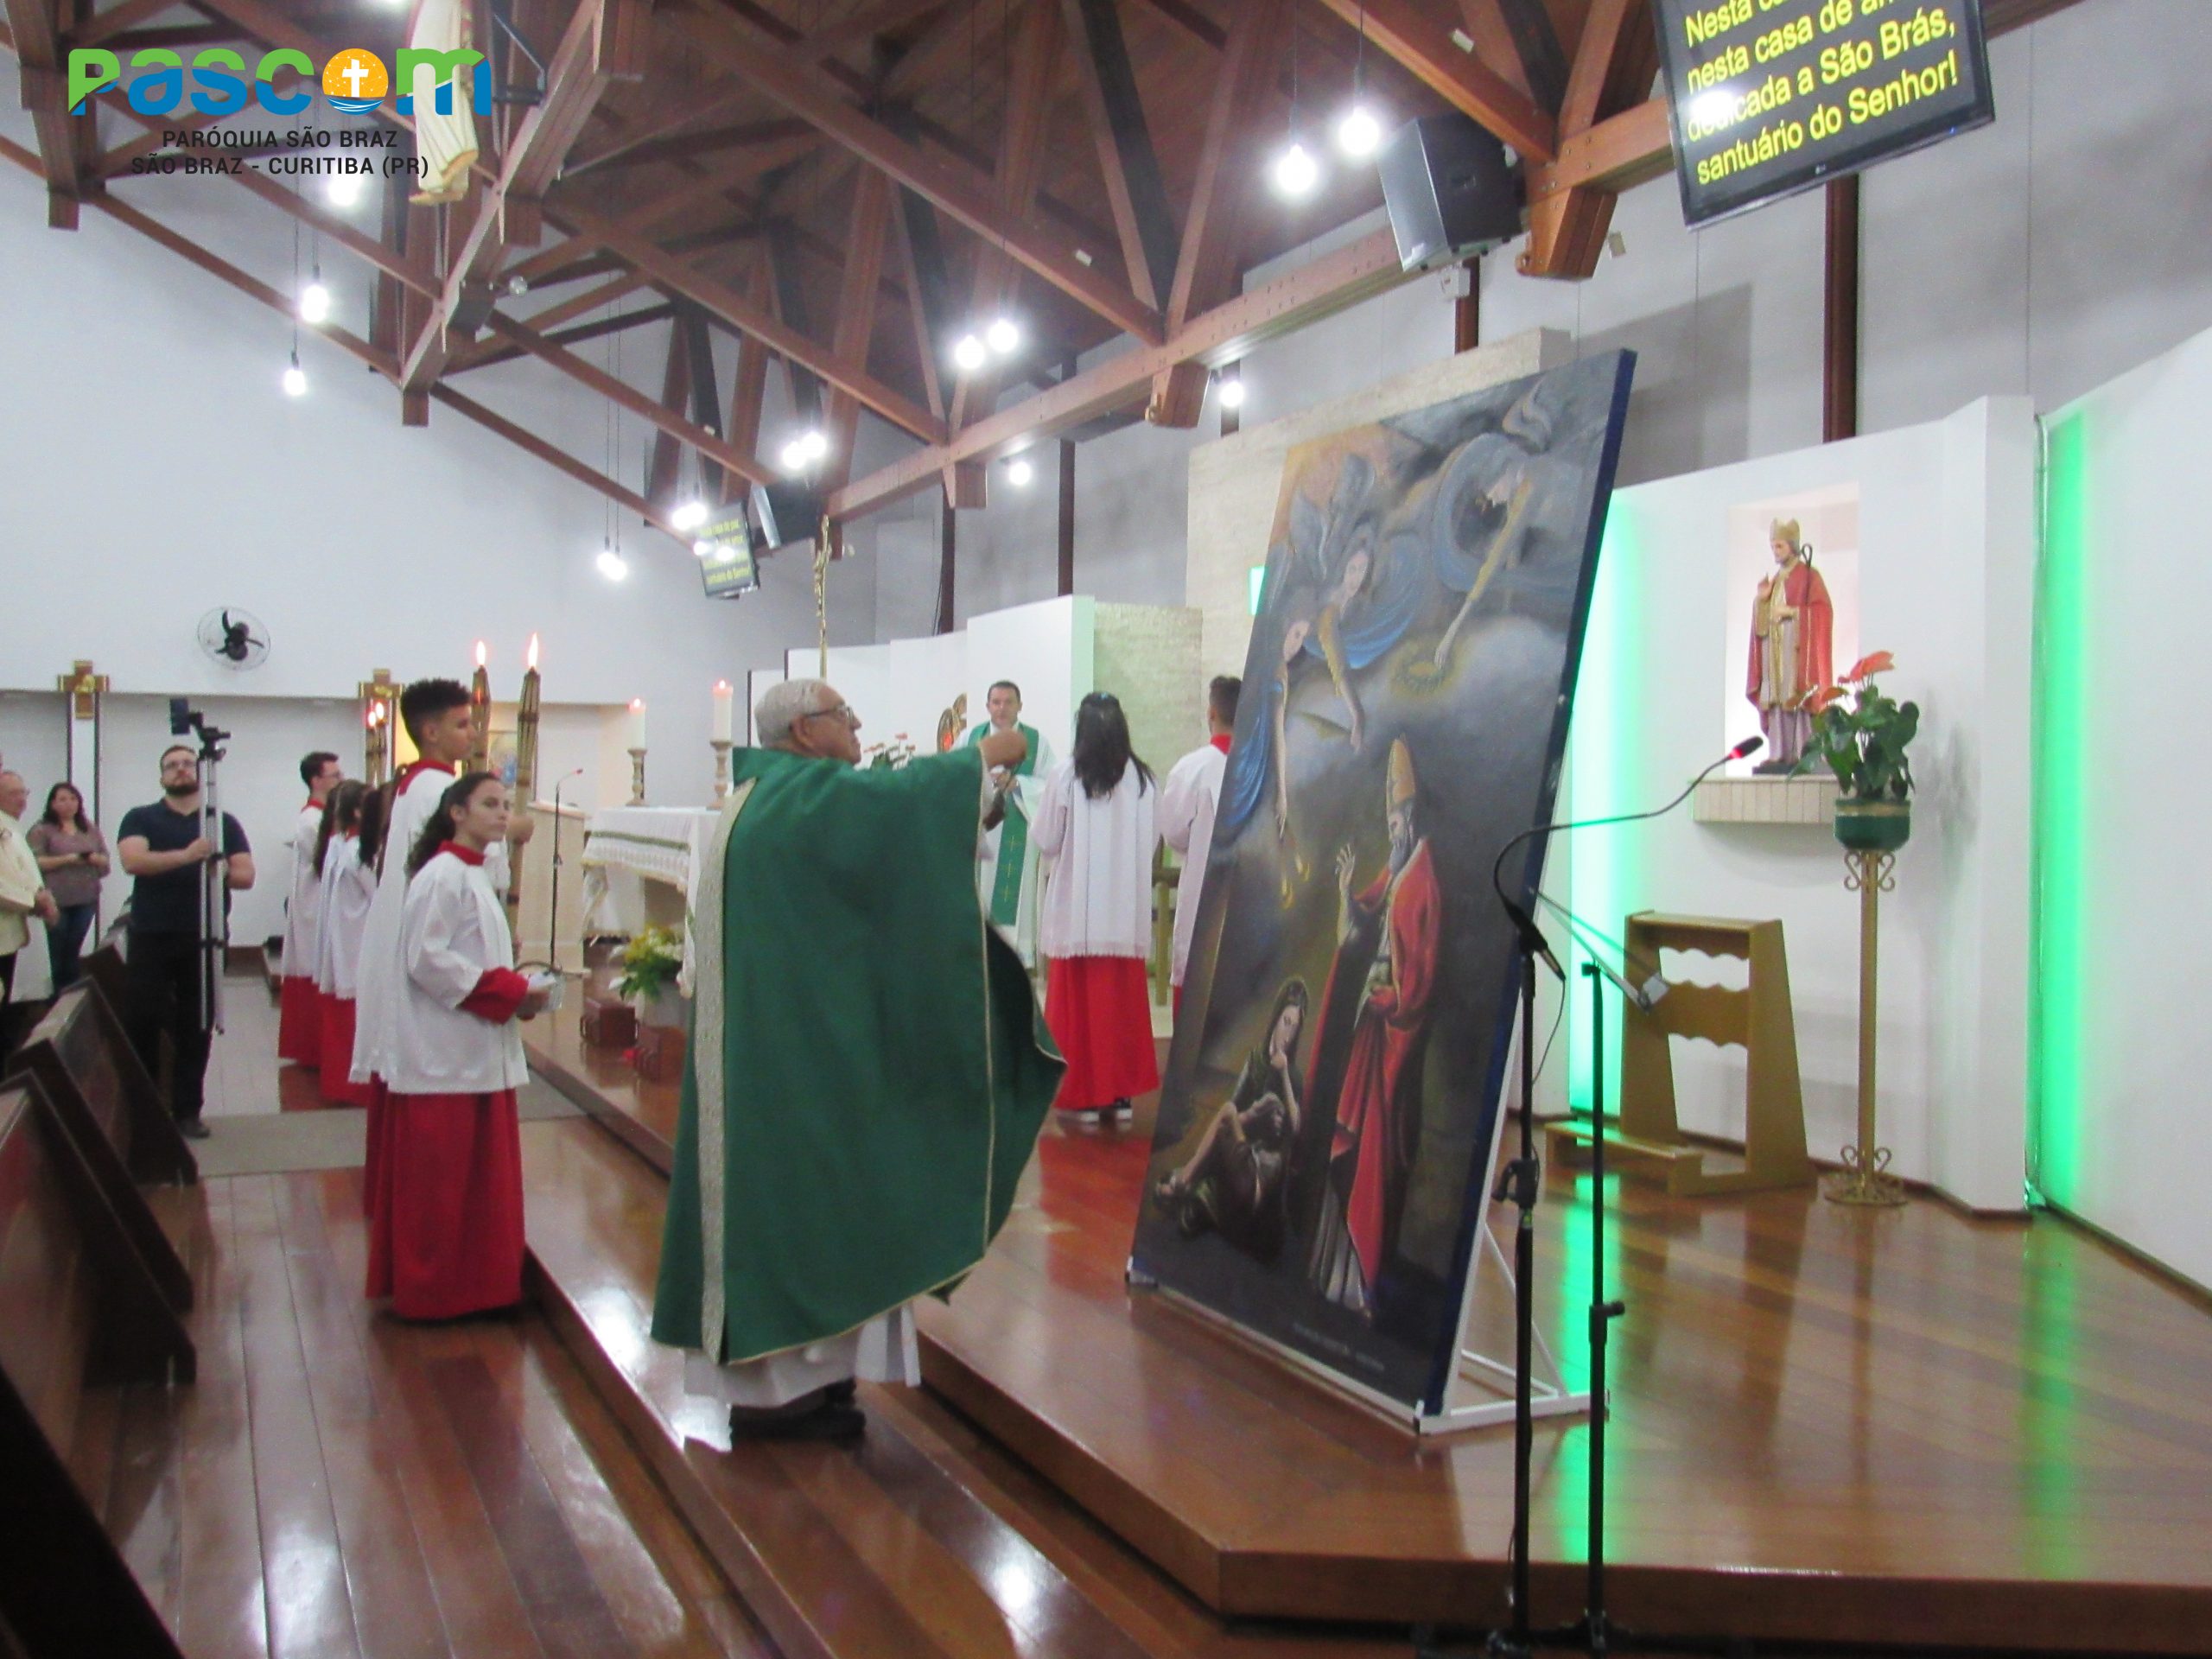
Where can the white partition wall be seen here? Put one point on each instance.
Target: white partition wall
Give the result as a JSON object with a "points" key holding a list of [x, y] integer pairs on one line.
{"points": [[2123, 1047], [1046, 650], [1944, 563]]}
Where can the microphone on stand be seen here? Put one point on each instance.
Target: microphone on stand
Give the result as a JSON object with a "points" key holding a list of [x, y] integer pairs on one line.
{"points": [[1532, 938]]}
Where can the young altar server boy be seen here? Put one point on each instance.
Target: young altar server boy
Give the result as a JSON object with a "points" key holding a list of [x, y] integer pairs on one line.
{"points": [[437, 715], [446, 1235], [346, 860]]}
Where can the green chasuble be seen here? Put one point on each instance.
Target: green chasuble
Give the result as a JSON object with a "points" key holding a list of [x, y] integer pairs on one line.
{"points": [[1013, 832], [868, 1069]]}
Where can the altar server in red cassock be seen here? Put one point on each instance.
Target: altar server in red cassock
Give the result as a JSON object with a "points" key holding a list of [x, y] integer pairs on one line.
{"points": [[439, 719], [299, 1009], [1095, 833], [352, 830], [1383, 982], [446, 1236]]}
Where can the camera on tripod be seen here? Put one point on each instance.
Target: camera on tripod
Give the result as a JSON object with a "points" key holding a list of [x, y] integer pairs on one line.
{"points": [[183, 718]]}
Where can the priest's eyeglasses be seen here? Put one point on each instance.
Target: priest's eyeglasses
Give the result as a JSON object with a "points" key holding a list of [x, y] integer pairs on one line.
{"points": [[844, 711]]}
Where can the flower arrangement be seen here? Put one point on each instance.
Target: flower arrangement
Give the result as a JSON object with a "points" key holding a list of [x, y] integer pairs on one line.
{"points": [[891, 756], [650, 964], [1862, 739]]}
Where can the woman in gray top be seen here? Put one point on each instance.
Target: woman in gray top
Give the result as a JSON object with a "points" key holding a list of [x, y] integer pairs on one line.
{"points": [[73, 853]]}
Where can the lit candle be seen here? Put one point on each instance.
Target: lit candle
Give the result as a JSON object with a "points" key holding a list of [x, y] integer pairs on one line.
{"points": [[721, 711], [637, 723]]}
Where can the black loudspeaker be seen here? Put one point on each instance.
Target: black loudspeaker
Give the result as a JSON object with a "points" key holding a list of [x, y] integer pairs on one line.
{"points": [[1449, 190], [787, 513]]}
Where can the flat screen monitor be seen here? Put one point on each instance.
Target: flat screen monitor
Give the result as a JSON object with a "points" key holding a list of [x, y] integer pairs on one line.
{"points": [[726, 566], [1772, 96]]}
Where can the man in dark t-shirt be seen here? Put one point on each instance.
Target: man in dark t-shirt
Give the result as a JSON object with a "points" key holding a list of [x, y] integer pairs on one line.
{"points": [[162, 848]]}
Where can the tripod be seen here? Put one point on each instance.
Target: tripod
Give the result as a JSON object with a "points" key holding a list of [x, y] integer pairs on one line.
{"points": [[214, 911], [1520, 1184]]}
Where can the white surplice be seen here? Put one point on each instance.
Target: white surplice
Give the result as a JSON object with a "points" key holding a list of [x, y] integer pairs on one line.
{"points": [[1097, 857], [1188, 801]]}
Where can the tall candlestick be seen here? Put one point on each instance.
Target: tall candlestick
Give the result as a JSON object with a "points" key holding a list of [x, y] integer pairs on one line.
{"points": [[525, 765], [480, 708], [721, 711], [637, 723]]}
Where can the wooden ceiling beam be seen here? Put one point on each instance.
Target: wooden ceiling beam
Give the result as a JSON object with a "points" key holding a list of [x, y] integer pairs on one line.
{"points": [[748, 390], [1142, 217], [103, 27], [67, 144], [689, 146], [1327, 285], [1411, 37], [624, 396], [493, 352], [857, 306], [675, 389], [748, 49], [1497, 45], [1199, 26], [1207, 266], [1033, 53], [670, 273], [602, 44], [928, 290], [1566, 227]]}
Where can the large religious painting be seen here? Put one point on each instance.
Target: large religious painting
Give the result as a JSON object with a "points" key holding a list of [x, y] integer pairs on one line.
{"points": [[1327, 1122]]}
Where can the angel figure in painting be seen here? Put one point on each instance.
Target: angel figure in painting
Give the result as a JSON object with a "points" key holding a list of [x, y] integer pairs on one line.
{"points": [[1235, 1184], [1259, 772], [1793, 627]]}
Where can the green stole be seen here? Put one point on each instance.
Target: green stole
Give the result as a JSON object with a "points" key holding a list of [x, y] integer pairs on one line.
{"points": [[868, 1068], [1014, 834]]}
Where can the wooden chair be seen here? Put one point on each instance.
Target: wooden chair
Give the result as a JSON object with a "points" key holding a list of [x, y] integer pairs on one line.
{"points": [[77, 1311], [110, 1107]]}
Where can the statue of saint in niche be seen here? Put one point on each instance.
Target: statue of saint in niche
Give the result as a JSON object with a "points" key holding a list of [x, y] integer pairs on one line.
{"points": [[1793, 626]]}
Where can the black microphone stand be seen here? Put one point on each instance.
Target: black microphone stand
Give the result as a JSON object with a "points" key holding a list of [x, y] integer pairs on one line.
{"points": [[1520, 1183]]}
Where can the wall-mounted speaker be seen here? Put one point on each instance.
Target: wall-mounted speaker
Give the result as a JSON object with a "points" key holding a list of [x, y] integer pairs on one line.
{"points": [[1449, 190], [787, 513]]}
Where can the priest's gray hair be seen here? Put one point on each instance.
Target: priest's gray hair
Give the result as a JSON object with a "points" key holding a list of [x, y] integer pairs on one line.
{"points": [[783, 706]]}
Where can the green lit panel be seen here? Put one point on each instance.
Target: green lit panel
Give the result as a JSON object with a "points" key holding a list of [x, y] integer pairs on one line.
{"points": [[1606, 873], [2058, 994]]}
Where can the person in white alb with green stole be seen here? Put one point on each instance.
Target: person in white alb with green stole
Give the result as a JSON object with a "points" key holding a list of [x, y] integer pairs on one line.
{"points": [[1005, 861]]}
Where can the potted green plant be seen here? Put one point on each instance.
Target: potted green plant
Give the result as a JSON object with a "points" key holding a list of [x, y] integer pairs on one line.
{"points": [[651, 964], [1862, 735]]}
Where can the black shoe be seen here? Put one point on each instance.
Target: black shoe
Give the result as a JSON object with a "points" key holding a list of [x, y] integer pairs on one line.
{"points": [[839, 1424], [192, 1128], [841, 1394]]}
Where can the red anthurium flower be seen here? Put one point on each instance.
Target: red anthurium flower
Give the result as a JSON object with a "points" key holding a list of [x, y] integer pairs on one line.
{"points": [[1821, 698], [1880, 663]]}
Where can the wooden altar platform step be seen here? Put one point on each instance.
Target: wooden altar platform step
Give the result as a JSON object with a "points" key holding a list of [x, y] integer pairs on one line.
{"points": [[928, 1540]]}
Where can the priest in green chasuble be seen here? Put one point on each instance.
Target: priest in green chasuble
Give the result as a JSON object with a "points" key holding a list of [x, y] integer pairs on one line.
{"points": [[1005, 861], [867, 1074]]}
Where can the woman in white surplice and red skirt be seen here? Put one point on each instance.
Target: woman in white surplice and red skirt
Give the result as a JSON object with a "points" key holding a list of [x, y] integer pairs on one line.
{"points": [[1095, 831], [446, 1238], [352, 827]]}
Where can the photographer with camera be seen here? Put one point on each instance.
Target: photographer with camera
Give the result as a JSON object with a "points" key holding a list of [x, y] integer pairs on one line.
{"points": [[164, 848]]}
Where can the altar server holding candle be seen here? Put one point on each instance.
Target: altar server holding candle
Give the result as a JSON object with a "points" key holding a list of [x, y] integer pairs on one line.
{"points": [[447, 1235]]}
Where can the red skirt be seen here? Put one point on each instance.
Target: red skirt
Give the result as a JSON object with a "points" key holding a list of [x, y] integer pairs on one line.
{"points": [[337, 1041], [445, 1236], [1100, 1012], [299, 1022]]}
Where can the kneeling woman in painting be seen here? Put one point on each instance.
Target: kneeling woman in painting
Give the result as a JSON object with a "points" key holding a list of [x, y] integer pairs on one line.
{"points": [[447, 1238]]}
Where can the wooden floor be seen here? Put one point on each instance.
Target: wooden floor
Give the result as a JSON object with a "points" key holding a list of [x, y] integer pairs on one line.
{"points": [[1907, 1428]]}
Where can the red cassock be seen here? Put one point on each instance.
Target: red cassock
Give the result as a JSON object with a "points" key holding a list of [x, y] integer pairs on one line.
{"points": [[1804, 592], [1377, 1111], [299, 1021]]}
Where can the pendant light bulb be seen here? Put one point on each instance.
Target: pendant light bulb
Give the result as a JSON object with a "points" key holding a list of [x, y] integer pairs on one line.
{"points": [[1295, 171], [969, 354], [343, 190], [295, 378], [689, 516], [1359, 135], [1019, 472], [814, 444], [1231, 392], [613, 565], [315, 300], [1003, 336]]}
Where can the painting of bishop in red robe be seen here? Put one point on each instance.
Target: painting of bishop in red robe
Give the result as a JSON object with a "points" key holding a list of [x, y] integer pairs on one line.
{"points": [[1382, 982]]}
